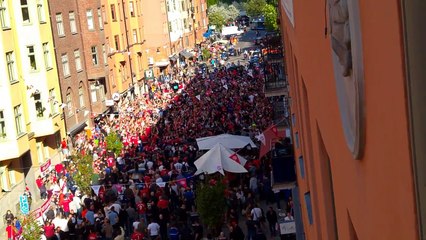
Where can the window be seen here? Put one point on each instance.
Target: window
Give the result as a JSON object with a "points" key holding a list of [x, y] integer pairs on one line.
{"points": [[4, 14], [52, 101], [101, 21], [185, 23], [183, 5], [77, 58], [60, 25], [69, 103], [170, 27], [168, 7], [81, 96], [32, 58], [132, 9], [39, 105], [40, 12], [104, 54], [293, 119], [12, 178], [186, 41], [90, 24], [94, 55], [123, 73], [140, 61], [46, 56], [117, 42], [18, 119], [296, 139], [11, 67], [113, 17], [93, 93], [73, 25], [309, 207], [65, 65], [301, 167], [135, 36], [2, 125], [25, 11]]}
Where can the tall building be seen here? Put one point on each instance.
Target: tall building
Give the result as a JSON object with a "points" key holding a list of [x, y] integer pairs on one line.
{"points": [[124, 34], [31, 126], [157, 45], [200, 19], [69, 50], [356, 75]]}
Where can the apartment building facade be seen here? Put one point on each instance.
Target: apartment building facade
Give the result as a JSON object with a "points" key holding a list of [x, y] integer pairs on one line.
{"points": [[31, 126], [125, 39], [357, 111], [69, 50]]}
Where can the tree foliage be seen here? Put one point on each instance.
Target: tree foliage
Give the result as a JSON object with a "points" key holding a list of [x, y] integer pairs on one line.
{"points": [[84, 172], [114, 143], [206, 54], [254, 7], [216, 17], [271, 15], [211, 204], [31, 228], [232, 12], [212, 2]]}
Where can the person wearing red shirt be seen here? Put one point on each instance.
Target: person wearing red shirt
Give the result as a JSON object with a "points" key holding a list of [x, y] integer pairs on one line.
{"points": [[66, 205], [49, 230], [137, 235], [163, 203], [11, 231], [141, 208]]}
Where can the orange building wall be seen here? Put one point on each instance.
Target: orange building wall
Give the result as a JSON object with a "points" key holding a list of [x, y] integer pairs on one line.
{"points": [[376, 192]]}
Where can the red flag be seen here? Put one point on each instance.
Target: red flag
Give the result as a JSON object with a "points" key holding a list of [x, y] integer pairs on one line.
{"points": [[235, 158], [267, 137]]}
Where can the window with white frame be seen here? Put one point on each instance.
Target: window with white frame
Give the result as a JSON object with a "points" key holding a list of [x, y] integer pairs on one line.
{"points": [[32, 58], [90, 23], [93, 93], [78, 65], [60, 25], [40, 12], [2, 125], [52, 101], [25, 11], [81, 96], [4, 14], [104, 54], [73, 24], [132, 9], [46, 56], [94, 55], [39, 105], [101, 92], [101, 21], [11, 67], [12, 179], [135, 35], [18, 119], [65, 65], [69, 103]]}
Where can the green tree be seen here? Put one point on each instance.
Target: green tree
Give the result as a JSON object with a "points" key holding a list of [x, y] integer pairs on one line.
{"points": [[31, 228], [254, 7], [232, 12], [216, 18], [212, 2], [211, 204], [206, 54], [114, 143], [84, 172], [271, 15]]}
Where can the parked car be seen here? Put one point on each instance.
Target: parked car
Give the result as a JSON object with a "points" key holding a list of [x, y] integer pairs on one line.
{"points": [[258, 41], [224, 56], [232, 52]]}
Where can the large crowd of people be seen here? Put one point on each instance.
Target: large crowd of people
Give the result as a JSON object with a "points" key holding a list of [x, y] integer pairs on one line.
{"points": [[148, 191]]}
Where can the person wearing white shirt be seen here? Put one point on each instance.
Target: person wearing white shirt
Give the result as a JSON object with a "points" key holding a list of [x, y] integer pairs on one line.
{"points": [[256, 213], [153, 229]]}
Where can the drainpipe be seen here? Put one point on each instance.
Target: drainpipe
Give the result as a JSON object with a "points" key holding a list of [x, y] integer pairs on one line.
{"points": [[127, 43]]}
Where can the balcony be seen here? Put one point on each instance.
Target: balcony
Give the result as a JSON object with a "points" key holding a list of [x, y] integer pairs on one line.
{"points": [[12, 147], [46, 126]]}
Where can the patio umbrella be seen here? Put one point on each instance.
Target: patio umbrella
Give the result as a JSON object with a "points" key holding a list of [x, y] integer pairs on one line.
{"points": [[220, 159], [228, 140]]}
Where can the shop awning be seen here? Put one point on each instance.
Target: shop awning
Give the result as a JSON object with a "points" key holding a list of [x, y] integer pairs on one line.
{"points": [[173, 58], [77, 128], [162, 63], [186, 54]]}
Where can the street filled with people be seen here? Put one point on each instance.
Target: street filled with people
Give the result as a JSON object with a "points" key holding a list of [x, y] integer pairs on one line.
{"points": [[147, 190]]}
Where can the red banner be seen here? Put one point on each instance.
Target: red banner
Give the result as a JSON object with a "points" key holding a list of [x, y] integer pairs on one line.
{"points": [[45, 166]]}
